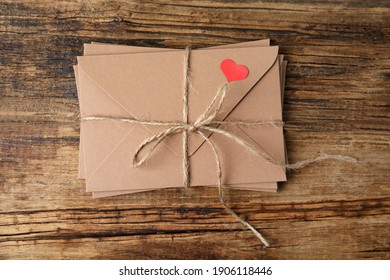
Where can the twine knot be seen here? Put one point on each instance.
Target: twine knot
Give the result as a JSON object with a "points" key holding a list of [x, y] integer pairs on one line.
{"points": [[191, 128]]}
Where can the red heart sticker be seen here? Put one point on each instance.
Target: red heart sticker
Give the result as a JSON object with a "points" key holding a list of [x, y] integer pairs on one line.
{"points": [[233, 71]]}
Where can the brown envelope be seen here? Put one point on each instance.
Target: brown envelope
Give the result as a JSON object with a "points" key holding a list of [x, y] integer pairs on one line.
{"points": [[98, 48], [104, 49], [102, 91]]}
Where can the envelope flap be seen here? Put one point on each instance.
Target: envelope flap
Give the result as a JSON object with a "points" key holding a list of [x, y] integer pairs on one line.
{"points": [[150, 85]]}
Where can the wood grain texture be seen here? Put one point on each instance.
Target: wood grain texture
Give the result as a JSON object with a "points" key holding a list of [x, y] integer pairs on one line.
{"points": [[337, 100]]}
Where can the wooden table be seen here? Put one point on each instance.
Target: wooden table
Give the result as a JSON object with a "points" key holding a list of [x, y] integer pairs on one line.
{"points": [[337, 101]]}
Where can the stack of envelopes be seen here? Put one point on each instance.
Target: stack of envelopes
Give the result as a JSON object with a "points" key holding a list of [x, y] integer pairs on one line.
{"points": [[145, 83]]}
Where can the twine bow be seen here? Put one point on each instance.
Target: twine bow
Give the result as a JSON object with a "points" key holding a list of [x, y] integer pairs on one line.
{"points": [[208, 122]]}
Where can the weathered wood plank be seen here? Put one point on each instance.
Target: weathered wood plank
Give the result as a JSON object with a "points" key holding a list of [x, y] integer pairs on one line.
{"points": [[337, 100]]}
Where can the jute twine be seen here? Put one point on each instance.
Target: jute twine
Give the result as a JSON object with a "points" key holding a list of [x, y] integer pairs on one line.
{"points": [[207, 122]]}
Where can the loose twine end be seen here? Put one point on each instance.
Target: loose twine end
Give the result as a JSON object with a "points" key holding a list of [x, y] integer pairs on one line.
{"points": [[320, 158]]}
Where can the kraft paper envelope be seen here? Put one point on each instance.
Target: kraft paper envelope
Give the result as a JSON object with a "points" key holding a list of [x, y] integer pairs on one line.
{"points": [[102, 48], [97, 48], [150, 86]]}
